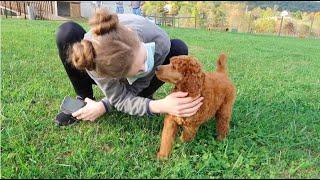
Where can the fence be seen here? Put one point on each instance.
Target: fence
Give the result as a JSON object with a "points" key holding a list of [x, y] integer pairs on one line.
{"points": [[27, 9], [281, 28], [45, 10], [185, 22], [173, 21]]}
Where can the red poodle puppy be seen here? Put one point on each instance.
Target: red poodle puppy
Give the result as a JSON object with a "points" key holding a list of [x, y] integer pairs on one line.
{"points": [[219, 94]]}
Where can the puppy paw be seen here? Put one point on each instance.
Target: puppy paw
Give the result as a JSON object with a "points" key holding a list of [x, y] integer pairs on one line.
{"points": [[161, 156], [221, 137]]}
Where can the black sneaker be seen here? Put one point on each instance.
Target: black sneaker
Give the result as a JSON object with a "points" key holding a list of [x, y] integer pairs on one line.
{"points": [[63, 119], [81, 98]]}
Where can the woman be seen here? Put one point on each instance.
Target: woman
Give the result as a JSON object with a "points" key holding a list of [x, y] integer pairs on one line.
{"points": [[120, 54]]}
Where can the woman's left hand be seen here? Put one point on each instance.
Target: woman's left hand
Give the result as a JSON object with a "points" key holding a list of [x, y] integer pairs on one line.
{"points": [[91, 111]]}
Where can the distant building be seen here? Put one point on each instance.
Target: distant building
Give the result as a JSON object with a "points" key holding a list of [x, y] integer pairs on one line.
{"points": [[67, 8], [85, 8], [59, 10]]}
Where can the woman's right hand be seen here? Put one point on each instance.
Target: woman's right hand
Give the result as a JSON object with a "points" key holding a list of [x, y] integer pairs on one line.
{"points": [[91, 111], [178, 104]]}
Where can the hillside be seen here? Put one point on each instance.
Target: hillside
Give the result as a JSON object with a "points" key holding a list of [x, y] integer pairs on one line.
{"points": [[309, 6]]}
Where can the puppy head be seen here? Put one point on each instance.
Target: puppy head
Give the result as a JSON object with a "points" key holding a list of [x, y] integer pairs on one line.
{"points": [[183, 71]]}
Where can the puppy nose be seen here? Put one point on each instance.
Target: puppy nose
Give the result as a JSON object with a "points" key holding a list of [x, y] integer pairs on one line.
{"points": [[157, 68]]}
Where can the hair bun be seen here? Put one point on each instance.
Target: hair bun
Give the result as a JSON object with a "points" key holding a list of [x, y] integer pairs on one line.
{"points": [[103, 22], [83, 55]]}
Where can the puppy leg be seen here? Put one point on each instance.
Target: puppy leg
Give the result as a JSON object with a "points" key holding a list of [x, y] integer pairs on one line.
{"points": [[169, 131], [223, 117]]}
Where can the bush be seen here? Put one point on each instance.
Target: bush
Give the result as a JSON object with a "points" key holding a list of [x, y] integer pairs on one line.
{"points": [[289, 28], [303, 29], [265, 25]]}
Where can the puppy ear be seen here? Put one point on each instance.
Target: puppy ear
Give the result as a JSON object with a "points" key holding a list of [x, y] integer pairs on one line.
{"points": [[193, 83]]}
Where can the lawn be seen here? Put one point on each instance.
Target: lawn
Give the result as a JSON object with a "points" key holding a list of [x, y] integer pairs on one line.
{"points": [[274, 133]]}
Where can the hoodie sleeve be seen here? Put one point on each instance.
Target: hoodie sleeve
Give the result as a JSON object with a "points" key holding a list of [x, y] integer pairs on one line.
{"points": [[119, 97]]}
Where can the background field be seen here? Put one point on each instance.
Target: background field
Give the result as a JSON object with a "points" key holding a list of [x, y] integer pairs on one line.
{"points": [[275, 128]]}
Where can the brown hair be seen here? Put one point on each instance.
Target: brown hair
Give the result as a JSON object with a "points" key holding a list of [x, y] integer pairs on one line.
{"points": [[111, 53]]}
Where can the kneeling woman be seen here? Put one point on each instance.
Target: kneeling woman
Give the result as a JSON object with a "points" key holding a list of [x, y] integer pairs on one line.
{"points": [[120, 54]]}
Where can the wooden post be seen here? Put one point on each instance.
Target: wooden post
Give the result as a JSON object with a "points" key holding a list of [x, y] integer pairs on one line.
{"points": [[280, 26], [51, 7], [249, 23], [311, 24], [10, 8], [18, 7], [5, 9], [45, 9], [41, 15], [37, 10], [24, 8], [48, 10]]}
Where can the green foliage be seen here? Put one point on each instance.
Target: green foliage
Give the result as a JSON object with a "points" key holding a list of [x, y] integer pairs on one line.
{"points": [[297, 15], [265, 25], [215, 15], [289, 28], [268, 13], [274, 131], [304, 29], [154, 8], [175, 7]]}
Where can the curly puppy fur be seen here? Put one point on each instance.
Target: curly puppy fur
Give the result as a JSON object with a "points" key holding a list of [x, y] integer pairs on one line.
{"points": [[217, 89]]}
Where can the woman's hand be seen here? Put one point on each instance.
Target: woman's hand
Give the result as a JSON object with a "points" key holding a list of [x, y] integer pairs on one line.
{"points": [[91, 111], [177, 104]]}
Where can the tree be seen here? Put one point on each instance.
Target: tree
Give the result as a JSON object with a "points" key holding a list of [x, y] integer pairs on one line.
{"points": [[256, 13], [297, 15], [303, 30], [186, 10], [267, 13], [265, 25], [175, 7], [316, 24], [235, 14], [153, 8], [289, 28], [214, 15]]}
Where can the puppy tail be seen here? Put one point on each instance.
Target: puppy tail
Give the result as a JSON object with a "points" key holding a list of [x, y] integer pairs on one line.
{"points": [[222, 63]]}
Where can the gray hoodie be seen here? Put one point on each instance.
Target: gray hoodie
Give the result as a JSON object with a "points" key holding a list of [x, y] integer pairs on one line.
{"points": [[119, 93]]}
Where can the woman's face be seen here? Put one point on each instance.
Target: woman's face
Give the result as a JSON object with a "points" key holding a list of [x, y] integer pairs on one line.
{"points": [[139, 60]]}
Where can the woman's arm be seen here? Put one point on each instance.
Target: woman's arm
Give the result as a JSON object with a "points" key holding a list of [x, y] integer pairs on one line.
{"points": [[176, 104], [119, 96]]}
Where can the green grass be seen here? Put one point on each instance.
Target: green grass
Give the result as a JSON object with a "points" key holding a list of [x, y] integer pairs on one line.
{"points": [[275, 128]]}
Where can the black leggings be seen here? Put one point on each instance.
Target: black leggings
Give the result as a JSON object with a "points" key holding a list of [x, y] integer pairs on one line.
{"points": [[71, 32]]}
